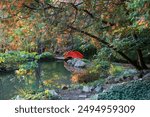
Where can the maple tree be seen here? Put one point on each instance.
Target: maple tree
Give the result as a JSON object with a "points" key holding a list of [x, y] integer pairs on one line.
{"points": [[108, 22], [120, 25]]}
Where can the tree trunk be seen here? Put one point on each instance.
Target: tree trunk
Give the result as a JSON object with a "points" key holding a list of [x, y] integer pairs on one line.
{"points": [[38, 76], [140, 59], [40, 47], [138, 67]]}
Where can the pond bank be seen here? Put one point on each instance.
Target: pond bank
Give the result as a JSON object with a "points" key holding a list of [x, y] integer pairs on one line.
{"points": [[47, 75], [53, 76], [130, 89], [138, 88]]}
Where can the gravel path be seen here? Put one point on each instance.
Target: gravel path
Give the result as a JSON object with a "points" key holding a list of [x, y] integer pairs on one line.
{"points": [[76, 94]]}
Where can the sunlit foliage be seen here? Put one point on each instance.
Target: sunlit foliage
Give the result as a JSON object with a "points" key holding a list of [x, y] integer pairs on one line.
{"points": [[120, 25]]}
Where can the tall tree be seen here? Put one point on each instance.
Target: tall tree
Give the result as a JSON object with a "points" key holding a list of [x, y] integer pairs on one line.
{"points": [[121, 25]]}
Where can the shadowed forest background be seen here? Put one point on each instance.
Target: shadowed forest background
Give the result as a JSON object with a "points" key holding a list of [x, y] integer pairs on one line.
{"points": [[112, 35]]}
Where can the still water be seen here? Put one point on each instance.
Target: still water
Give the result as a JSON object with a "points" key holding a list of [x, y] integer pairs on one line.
{"points": [[47, 75]]}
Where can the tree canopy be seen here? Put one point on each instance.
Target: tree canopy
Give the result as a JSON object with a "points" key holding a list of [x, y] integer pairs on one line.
{"points": [[119, 25]]}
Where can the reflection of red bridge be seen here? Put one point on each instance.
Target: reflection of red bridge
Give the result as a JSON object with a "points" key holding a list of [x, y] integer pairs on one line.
{"points": [[74, 69]]}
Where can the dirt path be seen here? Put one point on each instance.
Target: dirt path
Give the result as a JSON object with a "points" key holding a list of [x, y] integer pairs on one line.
{"points": [[76, 94]]}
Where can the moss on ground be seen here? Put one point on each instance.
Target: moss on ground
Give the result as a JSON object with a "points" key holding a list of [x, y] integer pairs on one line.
{"points": [[134, 90]]}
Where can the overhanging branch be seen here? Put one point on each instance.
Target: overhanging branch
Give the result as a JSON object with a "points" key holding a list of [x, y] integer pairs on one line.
{"points": [[108, 45]]}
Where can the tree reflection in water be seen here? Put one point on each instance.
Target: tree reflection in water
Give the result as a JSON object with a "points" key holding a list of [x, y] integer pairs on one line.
{"points": [[47, 75]]}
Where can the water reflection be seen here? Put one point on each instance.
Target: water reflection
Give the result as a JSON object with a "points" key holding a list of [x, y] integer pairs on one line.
{"points": [[8, 84], [1, 89], [38, 76], [54, 74], [46, 75]]}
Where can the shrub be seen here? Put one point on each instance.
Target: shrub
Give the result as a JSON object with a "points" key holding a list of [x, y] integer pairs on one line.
{"points": [[20, 59], [84, 77], [115, 70], [46, 55], [134, 90], [39, 95]]}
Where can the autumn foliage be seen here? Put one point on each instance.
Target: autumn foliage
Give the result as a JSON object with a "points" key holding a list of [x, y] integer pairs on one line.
{"points": [[27, 24]]}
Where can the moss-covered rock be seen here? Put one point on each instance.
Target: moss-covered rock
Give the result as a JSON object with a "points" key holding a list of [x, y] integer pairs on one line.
{"points": [[134, 90]]}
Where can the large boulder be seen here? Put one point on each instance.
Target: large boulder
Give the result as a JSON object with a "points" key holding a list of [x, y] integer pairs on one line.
{"points": [[69, 62], [87, 89], [80, 63], [72, 61], [76, 63]]}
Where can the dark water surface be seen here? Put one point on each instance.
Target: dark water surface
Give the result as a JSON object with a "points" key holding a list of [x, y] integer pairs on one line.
{"points": [[47, 75]]}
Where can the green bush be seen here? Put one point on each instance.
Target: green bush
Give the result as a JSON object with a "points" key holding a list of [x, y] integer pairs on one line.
{"points": [[115, 70], [46, 55], [21, 59], [29, 65], [100, 67], [134, 90], [39, 95], [12, 59]]}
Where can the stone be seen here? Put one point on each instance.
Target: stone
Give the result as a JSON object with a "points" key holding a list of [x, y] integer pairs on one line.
{"points": [[94, 97], [74, 62], [12, 80], [87, 99], [87, 89], [129, 72], [147, 76], [135, 77], [18, 98], [98, 89], [64, 87], [79, 63], [110, 79], [82, 96], [53, 93], [104, 91], [140, 79], [69, 62], [117, 80], [112, 86]]}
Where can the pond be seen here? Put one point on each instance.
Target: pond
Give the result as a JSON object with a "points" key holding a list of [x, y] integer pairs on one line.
{"points": [[48, 75]]}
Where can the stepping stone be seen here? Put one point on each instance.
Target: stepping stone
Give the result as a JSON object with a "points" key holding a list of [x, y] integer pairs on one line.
{"points": [[87, 89], [82, 96]]}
